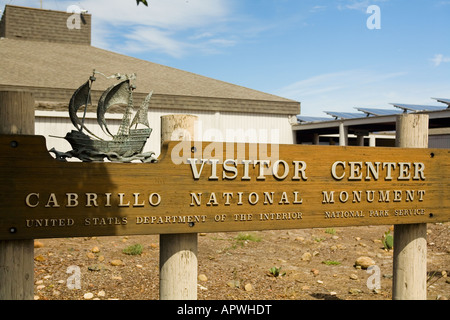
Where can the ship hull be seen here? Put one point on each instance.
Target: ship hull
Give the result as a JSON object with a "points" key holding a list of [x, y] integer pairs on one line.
{"points": [[123, 146]]}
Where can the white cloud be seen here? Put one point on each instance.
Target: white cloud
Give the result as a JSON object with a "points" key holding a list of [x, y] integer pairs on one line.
{"points": [[343, 91], [359, 5], [317, 8], [168, 26], [335, 81], [168, 14], [143, 39], [164, 26], [440, 58]]}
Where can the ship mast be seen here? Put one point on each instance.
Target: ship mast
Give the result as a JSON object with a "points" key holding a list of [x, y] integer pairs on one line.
{"points": [[124, 128], [88, 100]]}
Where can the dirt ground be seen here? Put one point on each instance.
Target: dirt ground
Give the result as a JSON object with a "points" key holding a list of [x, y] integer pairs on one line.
{"points": [[310, 264]]}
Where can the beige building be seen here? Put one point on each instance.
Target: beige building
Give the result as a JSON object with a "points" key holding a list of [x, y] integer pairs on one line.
{"points": [[41, 53]]}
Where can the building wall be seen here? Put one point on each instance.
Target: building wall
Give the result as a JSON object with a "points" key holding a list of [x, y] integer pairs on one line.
{"points": [[211, 126], [440, 141], [44, 25]]}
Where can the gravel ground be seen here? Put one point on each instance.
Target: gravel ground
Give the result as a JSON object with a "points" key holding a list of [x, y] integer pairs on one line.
{"points": [[310, 264]]}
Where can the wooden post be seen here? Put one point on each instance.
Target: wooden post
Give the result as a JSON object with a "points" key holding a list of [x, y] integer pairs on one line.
{"points": [[410, 240], [178, 252], [16, 256], [343, 135]]}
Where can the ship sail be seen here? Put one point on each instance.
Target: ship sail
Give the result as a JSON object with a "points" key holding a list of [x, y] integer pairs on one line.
{"points": [[141, 116], [114, 95], [81, 97]]}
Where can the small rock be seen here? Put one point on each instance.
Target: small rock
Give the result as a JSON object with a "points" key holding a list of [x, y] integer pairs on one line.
{"points": [[101, 293], [94, 267], [304, 288], [301, 239], [116, 262], [364, 262], [39, 282], [116, 278], [335, 237], [353, 276], [319, 281], [88, 296], [40, 287], [202, 277], [95, 250], [38, 244], [315, 272], [248, 287], [376, 291], [306, 256], [40, 258], [234, 283], [354, 291], [90, 255], [202, 287]]}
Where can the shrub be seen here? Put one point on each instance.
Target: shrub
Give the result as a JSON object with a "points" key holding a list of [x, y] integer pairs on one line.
{"points": [[134, 250]]}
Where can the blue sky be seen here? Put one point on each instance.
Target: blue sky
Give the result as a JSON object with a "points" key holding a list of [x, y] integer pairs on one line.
{"points": [[320, 53]]}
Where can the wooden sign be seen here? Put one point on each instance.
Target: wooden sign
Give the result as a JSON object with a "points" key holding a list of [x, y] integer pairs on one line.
{"points": [[218, 187]]}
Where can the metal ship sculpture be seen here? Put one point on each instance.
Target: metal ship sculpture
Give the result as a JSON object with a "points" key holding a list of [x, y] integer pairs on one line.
{"points": [[125, 146]]}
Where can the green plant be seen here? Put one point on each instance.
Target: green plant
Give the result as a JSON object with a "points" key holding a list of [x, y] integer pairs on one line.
{"points": [[274, 271], [134, 250], [388, 240], [331, 262], [248, 237], [330, 231]]}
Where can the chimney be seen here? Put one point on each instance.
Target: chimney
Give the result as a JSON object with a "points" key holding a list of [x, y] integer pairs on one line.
{"points": [[45, 25]]}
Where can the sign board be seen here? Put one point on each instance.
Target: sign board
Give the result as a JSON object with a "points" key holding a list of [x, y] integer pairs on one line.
{"points": [[218, 187]]}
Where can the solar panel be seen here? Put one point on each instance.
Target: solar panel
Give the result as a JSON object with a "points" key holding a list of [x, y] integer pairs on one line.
{"points": [[443, 100], [378, 112], [312, 119], [344, 115], [417, 107]]}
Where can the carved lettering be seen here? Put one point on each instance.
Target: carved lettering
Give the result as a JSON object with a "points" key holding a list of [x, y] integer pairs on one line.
{"points": [[353, 170]]}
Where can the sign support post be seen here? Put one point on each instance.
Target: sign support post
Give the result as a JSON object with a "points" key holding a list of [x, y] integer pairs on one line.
{"points": [[410, 240], [178, 252], [16, 256]]}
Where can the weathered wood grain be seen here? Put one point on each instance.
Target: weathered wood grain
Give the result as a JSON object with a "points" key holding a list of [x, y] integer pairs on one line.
{"points": [[165, 197]]}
